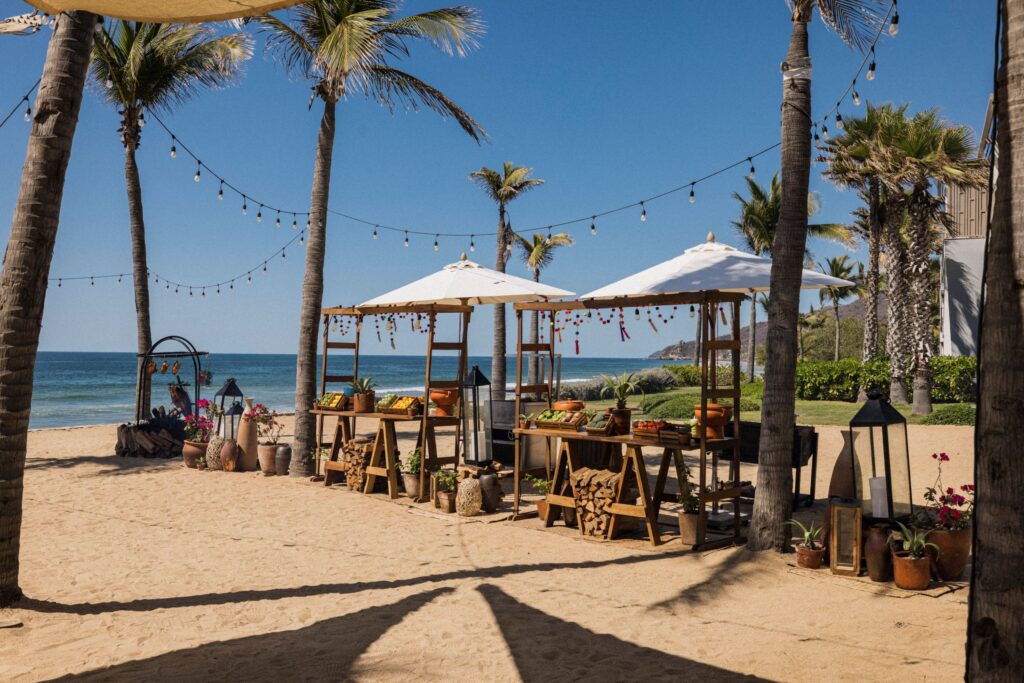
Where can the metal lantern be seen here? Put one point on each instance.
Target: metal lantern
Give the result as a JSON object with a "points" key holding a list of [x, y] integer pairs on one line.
{"points": [[229, 416], [476, 417], [881, 461]]}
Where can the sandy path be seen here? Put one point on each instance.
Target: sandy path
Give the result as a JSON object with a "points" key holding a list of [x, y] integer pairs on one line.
{"points": [[145, 570]]}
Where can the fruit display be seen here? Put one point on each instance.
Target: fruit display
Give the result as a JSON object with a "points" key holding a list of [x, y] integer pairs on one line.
{"points": [[564, 419], [651, 425], [401, 404], [599, 423], [385, 401], [332, 400]]}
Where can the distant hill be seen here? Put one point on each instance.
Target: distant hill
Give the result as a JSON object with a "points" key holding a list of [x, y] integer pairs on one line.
{"points": [[685, 349]]}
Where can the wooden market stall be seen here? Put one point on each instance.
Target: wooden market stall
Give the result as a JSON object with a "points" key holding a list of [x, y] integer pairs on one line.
{"points": [[576, 450], [384, 454]]}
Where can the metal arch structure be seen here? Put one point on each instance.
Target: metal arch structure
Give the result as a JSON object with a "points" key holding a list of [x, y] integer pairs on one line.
{"points": [[144, 359]]}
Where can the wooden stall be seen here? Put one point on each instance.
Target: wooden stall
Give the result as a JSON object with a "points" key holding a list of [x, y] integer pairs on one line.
{"points": [[570, 451]]}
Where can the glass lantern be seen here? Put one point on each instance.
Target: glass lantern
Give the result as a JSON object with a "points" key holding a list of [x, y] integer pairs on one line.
{"points": [[476, 418], [230, 415], [881, 461]]}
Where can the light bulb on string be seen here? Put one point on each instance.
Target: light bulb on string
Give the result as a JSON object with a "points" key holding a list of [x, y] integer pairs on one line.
{"points": [[839, 121], [824, 132], [174, 148], [249, 277], [203, 293], [302, 238], [593, 225], [871, 67], [190, 291], [220, 192], [284, 257], [232, 285], [753, 171], [92, 282], [175, 289], [218, 290], [199, 172], [375, 232], [264, 267], [259, 214], [406, 242], [295, 222], [643, 214], [118, 279], [28, 113], [894, 26], [142, 120], [58, 283], [549, 233], [435, 242], [693, 196], [472, 244], [245, 206], [856, 95]]}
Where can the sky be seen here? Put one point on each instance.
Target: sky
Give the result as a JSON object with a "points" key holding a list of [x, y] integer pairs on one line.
{"points": [[608, 102]]}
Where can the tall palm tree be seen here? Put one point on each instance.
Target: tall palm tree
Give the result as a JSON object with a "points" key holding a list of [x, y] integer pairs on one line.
{"points": [[759, 216], [995, 624], [537, 254], [856, 23], [136, 66], [811, 320], [841, 267], [26, 265], [347, 47], [502, 187]]}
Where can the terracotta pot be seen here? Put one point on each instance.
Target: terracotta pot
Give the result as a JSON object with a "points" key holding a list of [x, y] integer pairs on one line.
{"points": [[412, 484], [568, 514], [363, 403], [229, 456], [248, 456], [949, 562], [716, 419], [809, 559], [444, 400], [446, 501], [543, 510], [688, 527], [283, 459], [568, 404], [267, 455], [911, 574], [192, 452], [621, 420], [877, 553]]}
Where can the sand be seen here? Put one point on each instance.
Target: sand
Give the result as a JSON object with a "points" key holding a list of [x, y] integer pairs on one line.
{"points": [[145, 570]]}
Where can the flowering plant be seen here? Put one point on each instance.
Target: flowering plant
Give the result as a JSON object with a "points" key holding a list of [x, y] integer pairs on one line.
{"points": [[267, 425], [950, 509], [198, 428]]}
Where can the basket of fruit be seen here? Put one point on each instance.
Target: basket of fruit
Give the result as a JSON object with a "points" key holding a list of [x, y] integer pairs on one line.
{"points": [[649, 429], [402, 405], [332, 401], [600, 424], [569, 420]]}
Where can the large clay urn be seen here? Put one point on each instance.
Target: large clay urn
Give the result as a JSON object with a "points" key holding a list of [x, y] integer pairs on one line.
{"points": [[954, 549], [877, 553], [717, 416], [248, 455], [444, 400]]}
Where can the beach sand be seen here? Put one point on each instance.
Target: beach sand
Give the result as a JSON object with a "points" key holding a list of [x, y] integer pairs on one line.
{"points": [[145, 570]]}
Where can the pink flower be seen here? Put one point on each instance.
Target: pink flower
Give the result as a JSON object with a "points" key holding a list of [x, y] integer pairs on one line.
{"points": [[943, 457]]}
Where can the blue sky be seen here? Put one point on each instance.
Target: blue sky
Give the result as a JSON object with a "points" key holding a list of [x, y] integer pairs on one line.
{"points": [[608, 103]]}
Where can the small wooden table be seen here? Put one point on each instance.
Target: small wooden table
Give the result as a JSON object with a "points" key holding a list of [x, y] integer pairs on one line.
{"points": [[632, 467]]}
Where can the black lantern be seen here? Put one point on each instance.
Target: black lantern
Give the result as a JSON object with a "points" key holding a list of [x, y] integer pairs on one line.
{"points": [[476, 433], [229, 416], [881, 461]]}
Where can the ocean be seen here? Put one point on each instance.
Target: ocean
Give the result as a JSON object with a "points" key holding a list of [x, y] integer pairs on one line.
{"points": [[73, 388]]}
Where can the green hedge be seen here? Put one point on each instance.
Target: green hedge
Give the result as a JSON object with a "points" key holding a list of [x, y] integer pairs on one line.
{"points": [[957, 414], [689, 375], [820, 380]]}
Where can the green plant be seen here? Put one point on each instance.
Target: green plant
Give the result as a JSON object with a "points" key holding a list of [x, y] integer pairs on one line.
{"points": [[363, 385], [540, 485], [619, 387], [446, 480], [957, 414], [688, 496], [689, 375], [954, 379], [411, 465], [915, 542], [266, 422], [810, 534]]}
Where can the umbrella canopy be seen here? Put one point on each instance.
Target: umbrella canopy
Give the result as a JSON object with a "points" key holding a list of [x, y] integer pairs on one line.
{"points": [[465, 282], [165, 11], [707, 266]]}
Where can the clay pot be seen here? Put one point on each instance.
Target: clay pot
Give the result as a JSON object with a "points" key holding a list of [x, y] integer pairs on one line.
{"points": [[809, 559], [621, 420], [363, 403], [490, 489], [568, 404], [568, 514], [543, 510], [267, 455], [229, 456], [949, 562], [248, 456], [192, 452], [716, 419], [877, 553], [444, 400], [688, 527], [412, 484], [446, 501], [911, 574], [283, 459]]}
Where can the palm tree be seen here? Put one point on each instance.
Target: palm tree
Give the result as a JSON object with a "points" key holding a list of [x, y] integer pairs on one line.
{"points": [[346, 47], [502, 187], [996, 615], [759, 216], [842, 268], [537, 253], [808, 321], [26, 265], [137, 66], [856, 23]]}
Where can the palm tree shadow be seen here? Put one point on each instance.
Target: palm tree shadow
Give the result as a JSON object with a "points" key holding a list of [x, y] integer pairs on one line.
{"points": [[547, 648], [325, 650], [114, 465], [706, 590]]}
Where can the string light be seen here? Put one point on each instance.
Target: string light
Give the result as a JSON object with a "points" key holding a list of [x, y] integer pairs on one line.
{"points": [[264, 267], [894, 27], [295, 222], [28, 113], [824, 132], [245, 206], [302, 238], [839, 120], [593, 225], [753, 172], [375, 232], [856, 95], [220, 192], [259, 214], [199, 173], [174, 149], [406, 243], [693, 195], [643, 215], [277, 221], [472, 245], [871, 69], [24, 100], [284, 257]]}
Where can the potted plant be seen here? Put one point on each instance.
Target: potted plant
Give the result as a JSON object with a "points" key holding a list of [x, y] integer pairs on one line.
{"points": [[688, 516], [620, 388], [911, 566], [268, 431], [363, 395], [446, 483], [809, 551], [948, 517], [543, 487], [410, 469], [198, 429]]}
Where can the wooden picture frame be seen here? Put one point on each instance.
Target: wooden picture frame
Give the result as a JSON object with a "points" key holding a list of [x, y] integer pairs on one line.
{"points": [[845, 538]]}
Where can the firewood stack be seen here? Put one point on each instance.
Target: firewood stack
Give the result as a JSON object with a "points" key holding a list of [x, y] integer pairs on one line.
{"points": [[156, 438], [594, 491], [355, 455]]}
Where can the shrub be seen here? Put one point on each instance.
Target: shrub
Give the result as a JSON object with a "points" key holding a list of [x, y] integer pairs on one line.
{"points": [[822, 380], [956, 414], [678, 407], [649, 381], [689, 375], [954, 379]]}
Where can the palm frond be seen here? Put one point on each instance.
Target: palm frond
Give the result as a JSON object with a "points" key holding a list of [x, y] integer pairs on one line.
{"points": [[453, 30], [856, 22]]}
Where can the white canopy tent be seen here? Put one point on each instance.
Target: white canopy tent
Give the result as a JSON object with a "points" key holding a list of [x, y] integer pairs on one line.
{"points": [[707, 266], [165, 11], [467, 283]]}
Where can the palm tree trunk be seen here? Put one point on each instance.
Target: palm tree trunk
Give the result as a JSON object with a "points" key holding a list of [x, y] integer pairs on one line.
{"points": [[26, 266], [312, 298], [896, 295], [799, 342], [498, 347], [752, 342], [995, 624], [835, 313], [870, 348], [533, 370], [774, 475], [140, 273], [921, 291]]}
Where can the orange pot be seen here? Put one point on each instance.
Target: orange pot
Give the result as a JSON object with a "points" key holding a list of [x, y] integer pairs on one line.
{"points": [[716, 418], [444, 399], [568, 404]]}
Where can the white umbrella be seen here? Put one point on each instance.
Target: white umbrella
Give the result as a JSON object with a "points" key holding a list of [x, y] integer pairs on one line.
{"points": [[707, 266], [465, 282], [165, 10]]}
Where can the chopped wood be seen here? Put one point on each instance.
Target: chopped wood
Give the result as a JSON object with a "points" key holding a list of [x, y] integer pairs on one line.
{"points": [[355, 458], [594, 491]]}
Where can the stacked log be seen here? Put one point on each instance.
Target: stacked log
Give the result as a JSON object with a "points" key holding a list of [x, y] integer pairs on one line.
{"points": [[355, 456], [152, 439], [594, 491]]}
